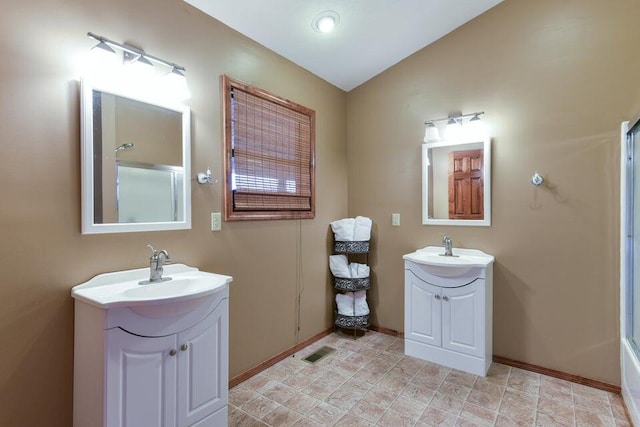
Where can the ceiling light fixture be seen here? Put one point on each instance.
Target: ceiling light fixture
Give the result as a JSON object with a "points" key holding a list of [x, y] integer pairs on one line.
{"points": [[325, 21]]}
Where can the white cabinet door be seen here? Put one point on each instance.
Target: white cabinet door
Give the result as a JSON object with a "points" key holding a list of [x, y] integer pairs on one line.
{"points": [[141, 380], [203, 373], [423, 319], [463, 318]]}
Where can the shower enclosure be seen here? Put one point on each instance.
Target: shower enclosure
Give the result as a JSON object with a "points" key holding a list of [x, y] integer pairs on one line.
{"points": [[630, 266]]}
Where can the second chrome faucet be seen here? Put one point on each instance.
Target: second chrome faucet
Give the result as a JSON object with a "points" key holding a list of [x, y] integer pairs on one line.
{"points": [[446, 242], [157, 260]]}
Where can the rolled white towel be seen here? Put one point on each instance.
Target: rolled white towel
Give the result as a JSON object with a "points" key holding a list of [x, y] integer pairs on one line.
{"points": [[359, 271], [339, 266], [345, 303], [362, 228], [343, 229], [361, 305]]}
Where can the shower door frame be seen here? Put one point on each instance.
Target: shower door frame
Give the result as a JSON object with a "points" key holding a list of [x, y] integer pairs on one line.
{"points": [[629, 352]]}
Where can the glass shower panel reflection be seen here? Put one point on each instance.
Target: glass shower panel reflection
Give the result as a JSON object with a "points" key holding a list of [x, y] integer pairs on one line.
{"points": [[148, 195]]}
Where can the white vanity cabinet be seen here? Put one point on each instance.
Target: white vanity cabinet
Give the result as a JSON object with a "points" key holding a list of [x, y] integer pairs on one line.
{"points": [[163, 364], [448, 312], [174, 380]]}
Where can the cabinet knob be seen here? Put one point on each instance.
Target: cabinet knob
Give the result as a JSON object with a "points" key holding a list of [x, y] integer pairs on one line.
{"points": [[184, 347], [172, 352], [437, 296], [445, 298]]}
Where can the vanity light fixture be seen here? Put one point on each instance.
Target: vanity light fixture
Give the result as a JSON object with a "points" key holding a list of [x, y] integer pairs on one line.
{"points": [[431, 133], [102, 58], [138, 58], [139, 66], [103, 47], [454, 129], [325, 21], [475, 118], [178, 83]]}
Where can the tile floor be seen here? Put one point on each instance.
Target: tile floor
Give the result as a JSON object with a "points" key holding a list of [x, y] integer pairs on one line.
{"points": [[369, 381]]}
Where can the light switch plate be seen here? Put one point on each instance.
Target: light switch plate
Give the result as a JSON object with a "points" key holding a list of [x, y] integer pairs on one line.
{"points": [[216, 221], [395, 219]]}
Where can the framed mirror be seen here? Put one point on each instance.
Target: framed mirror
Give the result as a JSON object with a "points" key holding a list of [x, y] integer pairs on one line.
{"points": [[135, 162], [456, 183]]}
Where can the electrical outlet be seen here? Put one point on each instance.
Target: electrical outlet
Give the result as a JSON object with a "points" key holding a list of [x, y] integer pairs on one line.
{"points": [[395, 219], [216, 221]]}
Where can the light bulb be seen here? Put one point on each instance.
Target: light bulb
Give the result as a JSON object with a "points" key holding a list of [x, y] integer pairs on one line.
{"points": [[453, 132], [140, 77], [431, 133], [326, 21], [101, 61], [176, 84], [476, 129], [326, 24]]}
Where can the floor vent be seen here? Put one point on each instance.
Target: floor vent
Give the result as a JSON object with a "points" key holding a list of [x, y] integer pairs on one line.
{"points": [[319, 354]]}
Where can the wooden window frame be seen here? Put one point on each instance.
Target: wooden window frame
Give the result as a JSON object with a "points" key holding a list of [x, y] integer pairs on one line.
{"points": [[232, 214]]}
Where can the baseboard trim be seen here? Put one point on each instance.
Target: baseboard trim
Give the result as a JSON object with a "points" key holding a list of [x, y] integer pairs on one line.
{"points": [[529, 367], [277, 358], [558, 374], [386, 331]]}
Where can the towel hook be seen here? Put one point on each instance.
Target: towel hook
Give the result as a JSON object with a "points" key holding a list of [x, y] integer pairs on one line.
{"points": [[537, 179], [205, 177]]}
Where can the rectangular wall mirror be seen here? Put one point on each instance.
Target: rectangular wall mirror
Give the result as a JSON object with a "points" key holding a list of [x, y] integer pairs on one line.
{"points": [[135, 162], [456, 183]]}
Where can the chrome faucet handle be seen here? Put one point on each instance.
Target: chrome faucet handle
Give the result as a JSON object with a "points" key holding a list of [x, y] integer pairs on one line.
{"points": [[153, 250]]}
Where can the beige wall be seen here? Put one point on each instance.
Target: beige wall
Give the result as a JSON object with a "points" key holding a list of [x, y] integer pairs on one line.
{"points": [[556, 79], [43, 254]]}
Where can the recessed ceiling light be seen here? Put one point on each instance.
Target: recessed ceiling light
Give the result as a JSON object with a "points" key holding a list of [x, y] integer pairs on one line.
{"points": [[325, 21]]}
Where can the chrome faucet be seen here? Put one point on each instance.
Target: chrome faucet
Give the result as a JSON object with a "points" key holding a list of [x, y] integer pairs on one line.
{"points": [[446, 242], [157, 260]]}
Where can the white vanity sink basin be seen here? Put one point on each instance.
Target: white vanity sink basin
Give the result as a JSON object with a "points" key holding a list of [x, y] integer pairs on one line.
{"points": [[187, 286], [463, 261]]}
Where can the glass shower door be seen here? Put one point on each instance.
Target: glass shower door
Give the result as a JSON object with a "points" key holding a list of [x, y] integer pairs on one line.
{"points": [[630, 267], [633, 238]]}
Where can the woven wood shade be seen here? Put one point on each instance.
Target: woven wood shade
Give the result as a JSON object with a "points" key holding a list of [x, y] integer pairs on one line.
{"points": [[272, 159]]}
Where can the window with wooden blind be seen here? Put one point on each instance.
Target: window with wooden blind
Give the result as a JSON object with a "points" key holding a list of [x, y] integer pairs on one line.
{"points": [[269, 155]]}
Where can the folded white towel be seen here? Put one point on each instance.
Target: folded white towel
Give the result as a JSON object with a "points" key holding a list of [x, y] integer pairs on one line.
{"points": [[343, 229], [359, 271], [345, 304], [361, 305], [362, 228], [339, 266]]}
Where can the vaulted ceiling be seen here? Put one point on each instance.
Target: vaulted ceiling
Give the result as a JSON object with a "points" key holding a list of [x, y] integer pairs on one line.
{"points": [[370, 36]]}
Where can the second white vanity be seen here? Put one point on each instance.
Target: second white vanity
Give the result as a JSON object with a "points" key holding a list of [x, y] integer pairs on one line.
{"points": [[151, 354], [449, 308]]}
